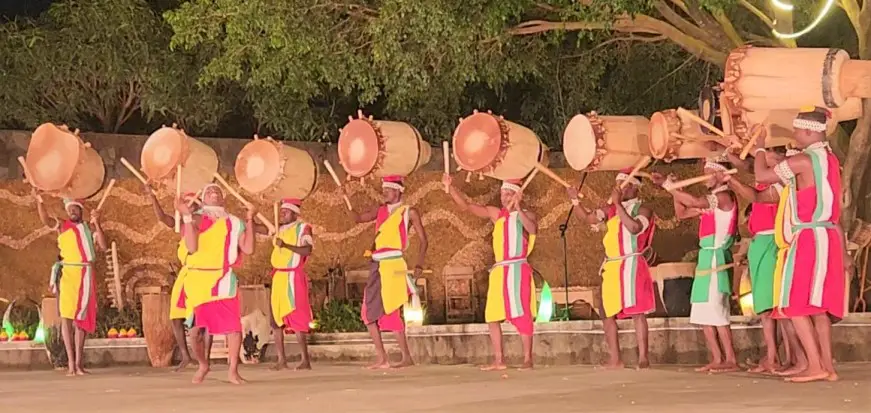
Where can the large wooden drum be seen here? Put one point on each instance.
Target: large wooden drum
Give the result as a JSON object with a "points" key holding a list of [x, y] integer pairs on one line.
{"points": [[157, 329], [605, 143], [275, 171], [490, 145], [381, 148], [671, 137], [169, 147], [786, 78], [61, 163]]}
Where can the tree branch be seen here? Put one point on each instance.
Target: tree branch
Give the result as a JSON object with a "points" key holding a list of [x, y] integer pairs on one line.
{"points": [[758, 13], [728, 28], [682, 24]]}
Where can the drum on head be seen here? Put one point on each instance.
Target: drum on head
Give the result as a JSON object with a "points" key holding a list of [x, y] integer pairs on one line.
{"points": [[169, 147], [275, 171], [61, 163], [608, 143], [674, 138], [501, 149], [381, 148]]}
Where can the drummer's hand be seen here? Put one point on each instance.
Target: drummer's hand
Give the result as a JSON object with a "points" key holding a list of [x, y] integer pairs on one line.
{"points": [[721, 177], [573, 193], [760, 133], [447, 180], [182, 207], [95, 216], [279, 243], [657, 178], [616, 195], [35, 193], [147, 189], [515, 201], [250, 212], [715, 146], [418, 272]]}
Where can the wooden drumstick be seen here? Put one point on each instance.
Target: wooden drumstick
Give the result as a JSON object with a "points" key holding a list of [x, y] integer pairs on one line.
{"points": [[446, 153], [338, 183], [105, 194], [700, 121], [28, 176], [723, 267], [177, 196], [275, 215], [552, 175], [135, 173], [400, 272], [633, 173], [242, 199], [516, 199], [196, 199], [692, 181], [753, 137]]}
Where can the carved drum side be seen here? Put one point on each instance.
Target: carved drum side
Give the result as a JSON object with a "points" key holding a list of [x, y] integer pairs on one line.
{"points": [[275, 171], [489, 144], [381, 148], [169, 147], [671, 137], [60, 162], [606, 143], [157, 329]]}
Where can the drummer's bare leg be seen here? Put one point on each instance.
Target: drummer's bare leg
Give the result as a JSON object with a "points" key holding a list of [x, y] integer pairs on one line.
{"points": [[178, 333]]}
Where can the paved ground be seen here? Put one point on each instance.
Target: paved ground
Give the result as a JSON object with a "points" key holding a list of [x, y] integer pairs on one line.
{"points": [[449, 389]]}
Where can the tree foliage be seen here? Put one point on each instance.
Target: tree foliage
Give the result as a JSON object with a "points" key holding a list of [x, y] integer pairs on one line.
{"points": [[96, 65]]}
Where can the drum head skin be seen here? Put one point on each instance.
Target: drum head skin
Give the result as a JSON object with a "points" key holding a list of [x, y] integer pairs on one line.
{"points": [[162, 152], [359, 147], [477, 141], [52, 157], [579, 143], [258, 165], [659, 135]]}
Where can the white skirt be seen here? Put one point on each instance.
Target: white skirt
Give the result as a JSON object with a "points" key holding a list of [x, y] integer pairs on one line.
{"points": [[714, 312]]}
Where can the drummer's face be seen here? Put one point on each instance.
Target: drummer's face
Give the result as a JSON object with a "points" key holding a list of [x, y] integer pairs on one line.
{"points": [[286, 216], [75, 213], [630, 192], [391, 195], [712, 181], [506, 196], [213, 197]]}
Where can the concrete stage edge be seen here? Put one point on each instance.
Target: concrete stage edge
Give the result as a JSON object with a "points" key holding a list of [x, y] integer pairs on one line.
{"points": [[672, 341]]}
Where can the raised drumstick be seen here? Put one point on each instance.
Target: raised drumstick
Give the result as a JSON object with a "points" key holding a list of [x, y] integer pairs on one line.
{"points": [[700, 121], [105, 194], [338, 183], [177, 196], [446, 152], [634, 172], [552, 175], [135, 173], [526, 182], [242, 199], [275, 215], [28, 176], [753, 137], [692, 181]]}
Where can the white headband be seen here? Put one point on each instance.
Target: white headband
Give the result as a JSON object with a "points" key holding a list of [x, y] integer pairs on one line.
{"points": [[625, 177], [809, 125], [68, 204], [510, 186], [715, 166], [393, 185], [221, 190], [288, 205], [792, 152]]}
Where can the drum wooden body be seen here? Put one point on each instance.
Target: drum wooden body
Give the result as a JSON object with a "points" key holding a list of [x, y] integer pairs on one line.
{"points": [[157, 329], [671, 137], [709, 108], [490, 145], [275, 171], [169, 147], [381, 148], [61, 163], [785, 78], [778, 123], [605, 143]]}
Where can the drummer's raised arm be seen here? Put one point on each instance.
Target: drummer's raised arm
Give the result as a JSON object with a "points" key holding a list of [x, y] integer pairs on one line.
{"points": [[459, 198], [162, 217], [365, 216], [48, 221], [594, 217], [261, 229]]}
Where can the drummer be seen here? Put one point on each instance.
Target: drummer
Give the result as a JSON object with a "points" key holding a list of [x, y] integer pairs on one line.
{"points": [[177, 296], [76, 289], [389, 286], [627, 287], [289, 299], [718, 213]]}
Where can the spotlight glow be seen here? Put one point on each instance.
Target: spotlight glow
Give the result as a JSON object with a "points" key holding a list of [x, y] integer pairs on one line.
{"points": [[823, 12]]}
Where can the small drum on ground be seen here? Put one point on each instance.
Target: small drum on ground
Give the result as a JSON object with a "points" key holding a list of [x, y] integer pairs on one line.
{"points": [[381, 148], [490, 145], [61, 163], [605, 143], [157, 329], [275, 171], [169, 147], [674, 138]]}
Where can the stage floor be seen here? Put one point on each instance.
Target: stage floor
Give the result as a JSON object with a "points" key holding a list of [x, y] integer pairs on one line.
{"points": [[454, 389]]}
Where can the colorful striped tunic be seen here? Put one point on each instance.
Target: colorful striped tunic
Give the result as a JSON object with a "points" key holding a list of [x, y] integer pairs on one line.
{"points": [[812, 280], [389, 284], [289, 295], [711, 289], [762, 254], [511, 291], [178, 307], [627, 288], [77, 297]]}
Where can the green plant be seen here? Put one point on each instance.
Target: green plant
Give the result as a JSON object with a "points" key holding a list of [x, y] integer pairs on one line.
{"points": [[340, 317], [54, 345], [109, 317]]}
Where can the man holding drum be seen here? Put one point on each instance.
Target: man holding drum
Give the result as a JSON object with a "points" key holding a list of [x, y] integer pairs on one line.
{"points": [[389, 285], [77, 295], [215, 240], [627, 288], [511, 291]]}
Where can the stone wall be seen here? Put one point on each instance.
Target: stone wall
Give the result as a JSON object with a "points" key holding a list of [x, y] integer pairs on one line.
{"points": [[147, 248]]}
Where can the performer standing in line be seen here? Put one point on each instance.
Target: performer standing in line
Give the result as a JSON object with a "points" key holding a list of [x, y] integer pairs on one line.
{"points": [[627, 287], [289, 301], [76, 289], [177, 297], [511, 291], [389, 285], [813, 278], [718, 212], [214, 241]]}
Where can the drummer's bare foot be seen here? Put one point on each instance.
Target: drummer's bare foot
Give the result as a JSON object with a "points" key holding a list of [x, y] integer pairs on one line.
{"points": [[497, 365], [792, 370], [833, 377], [303, 365], [235, 378], [279, 365], [527, 365], [80, 371], [71, 373], [379, 365], [643, 364], [181, 366], [726, 367], [708, 367], [809, 375], [405, 362], [611, 365], [200, 375]]}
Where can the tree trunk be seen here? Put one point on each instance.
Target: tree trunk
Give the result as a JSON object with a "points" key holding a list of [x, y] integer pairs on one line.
{"points": [[856, 169]]}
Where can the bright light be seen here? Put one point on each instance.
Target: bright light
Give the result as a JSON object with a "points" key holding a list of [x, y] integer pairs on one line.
{"points": [[781, 5], [313, 325], [39, 335], [545, 307], [414, 312], [746, 304], [820, 16]]}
